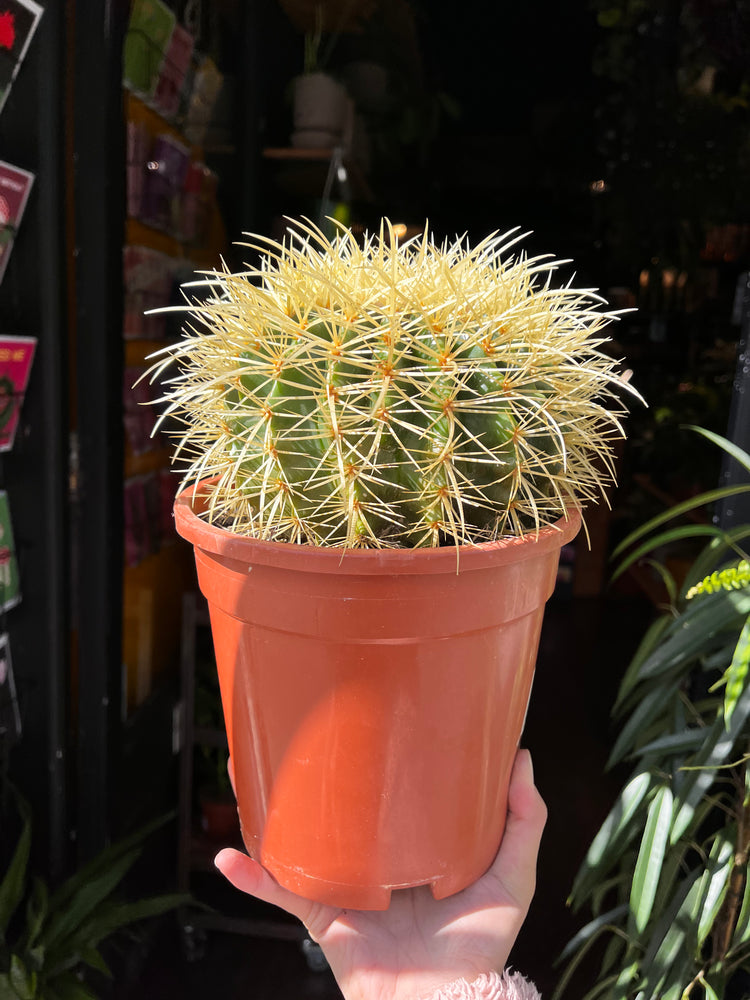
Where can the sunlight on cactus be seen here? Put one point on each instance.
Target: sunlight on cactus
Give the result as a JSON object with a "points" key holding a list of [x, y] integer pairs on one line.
{"points": [[394, 394]]}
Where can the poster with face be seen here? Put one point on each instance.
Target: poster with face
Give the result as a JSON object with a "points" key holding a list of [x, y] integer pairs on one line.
{"points": [[18, 22]]}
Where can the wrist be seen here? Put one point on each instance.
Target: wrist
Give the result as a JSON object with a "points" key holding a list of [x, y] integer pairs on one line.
{"points": [[488, 986]]}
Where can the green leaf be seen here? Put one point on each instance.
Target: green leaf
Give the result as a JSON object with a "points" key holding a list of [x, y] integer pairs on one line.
{"points": [[715, 751], [582, 943], [607, 845], [603, 889], [676, 743], [695, 631], [741, 457], [667, 942], [702, 500], [94, 959], [714, 882], [12, 886], [648, 709], [666, 538], [711, 993], [674, 861], [80, 906], [647, 644], [601, 988], [612, 954], [103, 861], [650, 857], [36, 911], [736, 675], [741, 934], [23, 982], [123, 914], [70, 988]]}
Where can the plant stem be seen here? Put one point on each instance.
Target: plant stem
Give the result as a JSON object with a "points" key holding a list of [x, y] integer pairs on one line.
{"points": [[727, 917]]}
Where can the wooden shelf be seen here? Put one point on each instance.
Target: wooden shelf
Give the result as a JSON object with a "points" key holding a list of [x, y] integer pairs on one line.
{"points": [[139, 349], [147, 462], [293, 153]]}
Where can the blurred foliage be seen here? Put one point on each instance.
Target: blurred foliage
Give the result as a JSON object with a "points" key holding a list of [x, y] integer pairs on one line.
{"points": [[673, 132], [665, 878]]}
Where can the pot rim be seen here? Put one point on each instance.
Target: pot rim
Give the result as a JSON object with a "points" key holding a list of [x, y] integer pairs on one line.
{"points": [[335, 559]]}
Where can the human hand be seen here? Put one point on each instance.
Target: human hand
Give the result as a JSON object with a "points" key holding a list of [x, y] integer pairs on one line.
{"points": [[419, 943]]}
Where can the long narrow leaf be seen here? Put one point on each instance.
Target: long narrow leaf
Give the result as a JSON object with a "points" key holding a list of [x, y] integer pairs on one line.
{"points": [[675, 743], [582, 944], [741, 457], [711, 993], [12, 886], [103, 862], [650, 857], [741, 934], [737, 673], [601, 988], [650, 707], [667, 940], [715, 881], [666, 538], [674, 861], [607, 845], [702, 500], [695, 632], [646, 646], [86, 900], [719, 743], [125, 914]]}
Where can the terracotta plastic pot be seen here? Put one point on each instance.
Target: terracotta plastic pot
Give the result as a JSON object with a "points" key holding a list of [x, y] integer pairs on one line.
{"points": [[374, 701]]}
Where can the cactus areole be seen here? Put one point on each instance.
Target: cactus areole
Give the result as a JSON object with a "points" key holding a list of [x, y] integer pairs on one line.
{"points": [[387, 446], [385, 394]]}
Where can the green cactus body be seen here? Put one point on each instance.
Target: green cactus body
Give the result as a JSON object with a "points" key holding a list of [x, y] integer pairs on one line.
{"points": [[393, 395]]}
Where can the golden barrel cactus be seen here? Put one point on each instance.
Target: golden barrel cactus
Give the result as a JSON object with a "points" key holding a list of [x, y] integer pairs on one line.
{"points": [[378, 393]]}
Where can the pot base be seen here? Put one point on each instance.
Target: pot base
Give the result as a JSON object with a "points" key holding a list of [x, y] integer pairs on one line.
{"points": [[359, 897]]}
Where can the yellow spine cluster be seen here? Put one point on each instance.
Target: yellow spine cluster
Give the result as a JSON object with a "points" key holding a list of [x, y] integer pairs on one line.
{"points": [[390, 394]]}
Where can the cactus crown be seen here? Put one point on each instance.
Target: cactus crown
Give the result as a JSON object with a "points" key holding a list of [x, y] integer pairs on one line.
{"points": [[392, 394]]}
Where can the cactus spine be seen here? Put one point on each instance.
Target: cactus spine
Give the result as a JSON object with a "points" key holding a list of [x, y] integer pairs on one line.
{"points": [[394, 395]]}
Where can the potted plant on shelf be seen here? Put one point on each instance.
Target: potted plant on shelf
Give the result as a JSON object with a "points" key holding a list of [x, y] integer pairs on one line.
{"points": [[322, 109], [666, 875], [218, 809], [387, 447]]}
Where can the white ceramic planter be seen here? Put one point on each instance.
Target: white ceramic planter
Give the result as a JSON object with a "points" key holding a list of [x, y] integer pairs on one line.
{"points": [[320, 111]]}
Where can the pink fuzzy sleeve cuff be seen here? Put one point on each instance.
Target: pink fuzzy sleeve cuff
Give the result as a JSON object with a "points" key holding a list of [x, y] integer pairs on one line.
{"points": [[491, 986]]}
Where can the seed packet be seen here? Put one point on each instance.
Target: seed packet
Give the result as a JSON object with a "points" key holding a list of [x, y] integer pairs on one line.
{"points": [[10, 716], [18, 22], [149, 32], [15, 187], [10, 584], [163, 182], [174, 71], [16, 357]]}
